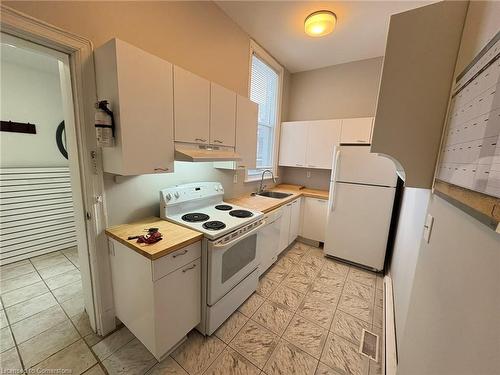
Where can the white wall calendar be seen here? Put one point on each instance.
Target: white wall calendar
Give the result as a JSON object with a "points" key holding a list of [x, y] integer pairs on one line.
{"points": [[470, 155]]}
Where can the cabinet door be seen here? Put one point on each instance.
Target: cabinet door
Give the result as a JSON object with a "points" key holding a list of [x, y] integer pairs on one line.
{"points": [[222, 116], [246, 132], [293, 143], [142, 102], [322, 137], [357, 130], [285, 227], [177, 305], [314, 223], [191, 107], [294, 220]]}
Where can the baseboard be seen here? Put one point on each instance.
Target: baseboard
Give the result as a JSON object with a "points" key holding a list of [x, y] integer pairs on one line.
{"points": [[390, 361]]}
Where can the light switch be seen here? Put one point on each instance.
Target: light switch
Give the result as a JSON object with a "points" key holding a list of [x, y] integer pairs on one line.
{"points": [[428, 227]]}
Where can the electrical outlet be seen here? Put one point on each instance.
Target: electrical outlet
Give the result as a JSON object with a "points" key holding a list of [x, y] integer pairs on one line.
{"points": [[308, 174], [235, 178], [428, 227]]}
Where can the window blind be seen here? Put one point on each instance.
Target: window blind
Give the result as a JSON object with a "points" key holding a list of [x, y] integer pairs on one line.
{"points": [[264, 91]]}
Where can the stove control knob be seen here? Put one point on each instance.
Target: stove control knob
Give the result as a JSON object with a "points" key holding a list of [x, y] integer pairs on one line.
{"points": [[168, 196], [176, 194]]}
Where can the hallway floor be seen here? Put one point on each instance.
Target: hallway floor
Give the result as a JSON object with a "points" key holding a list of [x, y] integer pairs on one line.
{"points": [[305, 318]]}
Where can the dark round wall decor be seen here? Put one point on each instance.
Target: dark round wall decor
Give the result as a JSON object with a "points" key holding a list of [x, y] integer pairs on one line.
{"points": [[61, 139]]}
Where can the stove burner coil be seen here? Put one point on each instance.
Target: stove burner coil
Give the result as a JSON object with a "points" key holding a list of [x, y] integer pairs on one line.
{"points": [[241, 213], [195, 217], [214, 225], [223, 207]]}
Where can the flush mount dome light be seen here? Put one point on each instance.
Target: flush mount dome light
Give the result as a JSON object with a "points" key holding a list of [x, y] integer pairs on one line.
{"points": [[320, 23]]}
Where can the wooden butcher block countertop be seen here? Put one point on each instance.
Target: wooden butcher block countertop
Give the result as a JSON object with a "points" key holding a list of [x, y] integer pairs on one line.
{"points": [[175, 236], [266, 204]]}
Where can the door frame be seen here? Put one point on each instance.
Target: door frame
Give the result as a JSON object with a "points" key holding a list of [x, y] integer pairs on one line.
{"points": [[95, 266]]}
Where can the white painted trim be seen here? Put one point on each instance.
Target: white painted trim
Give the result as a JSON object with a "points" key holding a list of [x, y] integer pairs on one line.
{"points": [[390, 361], [271, 61], [95, 272]]}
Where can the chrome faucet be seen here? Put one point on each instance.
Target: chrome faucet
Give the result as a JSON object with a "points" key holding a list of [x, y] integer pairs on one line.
{"points": [[261, 188]]}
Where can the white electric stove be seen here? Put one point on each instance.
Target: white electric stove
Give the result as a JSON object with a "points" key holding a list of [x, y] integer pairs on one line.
{"points": [[229, 256]]}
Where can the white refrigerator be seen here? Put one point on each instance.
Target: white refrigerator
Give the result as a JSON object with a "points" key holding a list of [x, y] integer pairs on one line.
{"points": [[361, 199]]}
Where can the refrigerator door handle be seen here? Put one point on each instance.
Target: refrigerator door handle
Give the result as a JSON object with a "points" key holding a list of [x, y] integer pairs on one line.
{"points": [[334, 179]]}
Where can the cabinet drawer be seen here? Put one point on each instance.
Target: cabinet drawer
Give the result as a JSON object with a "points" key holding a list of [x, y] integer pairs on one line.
{"points": [[173, 261]]}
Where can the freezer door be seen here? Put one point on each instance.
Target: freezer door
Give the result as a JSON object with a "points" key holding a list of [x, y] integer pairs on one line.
{"points": [[356, 164], [358, 223]]}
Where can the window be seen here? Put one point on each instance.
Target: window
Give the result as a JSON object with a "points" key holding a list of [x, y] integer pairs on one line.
{"points": [[265, 89]]}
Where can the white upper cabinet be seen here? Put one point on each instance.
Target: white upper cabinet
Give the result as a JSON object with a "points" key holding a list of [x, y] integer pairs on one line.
{"points": [[246, 132], [309, 143], [246, 136], [357, 130], [222, 116], [191, 107], [293, 143], [322, 138], [142, 102]]}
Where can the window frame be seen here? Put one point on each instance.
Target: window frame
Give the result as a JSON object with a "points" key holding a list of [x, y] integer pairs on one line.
{"points": [[255, 49]]}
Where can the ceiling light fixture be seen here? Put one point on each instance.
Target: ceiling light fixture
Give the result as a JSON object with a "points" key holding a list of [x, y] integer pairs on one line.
{"points": [[320, 23]]}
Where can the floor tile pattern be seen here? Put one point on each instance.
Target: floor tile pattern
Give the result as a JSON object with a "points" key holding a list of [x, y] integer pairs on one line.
{"points": [[306, 317]]}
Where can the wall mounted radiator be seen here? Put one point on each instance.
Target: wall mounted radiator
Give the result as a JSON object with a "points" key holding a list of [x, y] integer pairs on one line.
{"points": [[36, 212]]}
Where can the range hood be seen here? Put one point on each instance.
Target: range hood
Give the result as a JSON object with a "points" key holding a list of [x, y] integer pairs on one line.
{"points": [[203, 153]]}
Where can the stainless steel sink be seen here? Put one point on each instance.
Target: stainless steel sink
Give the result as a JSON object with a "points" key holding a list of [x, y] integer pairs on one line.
{"points": [[274, 194]]}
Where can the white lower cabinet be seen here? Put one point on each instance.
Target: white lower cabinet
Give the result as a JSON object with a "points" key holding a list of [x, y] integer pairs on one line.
{"points": [[159, 301], [285, 226], [294, 220], [314, 219], [290, 223]]}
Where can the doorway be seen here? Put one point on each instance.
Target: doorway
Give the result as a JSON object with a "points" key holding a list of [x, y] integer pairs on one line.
{"points": [[45, 281]]}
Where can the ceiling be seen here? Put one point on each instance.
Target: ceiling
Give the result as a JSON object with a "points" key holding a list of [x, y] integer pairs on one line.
{"points": [[278, 26]]}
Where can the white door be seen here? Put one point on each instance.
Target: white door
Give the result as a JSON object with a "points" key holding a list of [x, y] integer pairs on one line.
{"points": [[322, 137], [357, 130], [285, 227], [246, 132], [293, 143], [191, 107], [314, 223], [359, 217], [358, 165], [294, 220], [222, 116]]}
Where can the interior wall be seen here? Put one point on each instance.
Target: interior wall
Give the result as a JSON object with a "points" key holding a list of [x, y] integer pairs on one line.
{"points": [[452, 322], [338, 91], [33, 95], [405, 252], [195, 35]]}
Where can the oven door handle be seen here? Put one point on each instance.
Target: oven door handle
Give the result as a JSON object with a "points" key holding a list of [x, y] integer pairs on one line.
{"points": [[231, 243]]}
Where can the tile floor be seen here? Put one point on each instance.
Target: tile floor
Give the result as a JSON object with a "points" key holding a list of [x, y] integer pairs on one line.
{"points": [[305, 318]]}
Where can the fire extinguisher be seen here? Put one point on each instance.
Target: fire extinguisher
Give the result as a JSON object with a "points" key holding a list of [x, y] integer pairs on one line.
{"points": [[104, 124]]}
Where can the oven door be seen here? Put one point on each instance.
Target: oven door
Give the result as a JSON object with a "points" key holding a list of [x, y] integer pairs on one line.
{"points": [[230, 263]]}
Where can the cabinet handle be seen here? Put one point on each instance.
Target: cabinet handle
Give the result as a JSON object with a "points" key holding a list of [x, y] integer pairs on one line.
{"points": [[311, 166], [299, 165], [189, 268], [217, 141], [200, 139], [177, 255], [161, 169]]}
